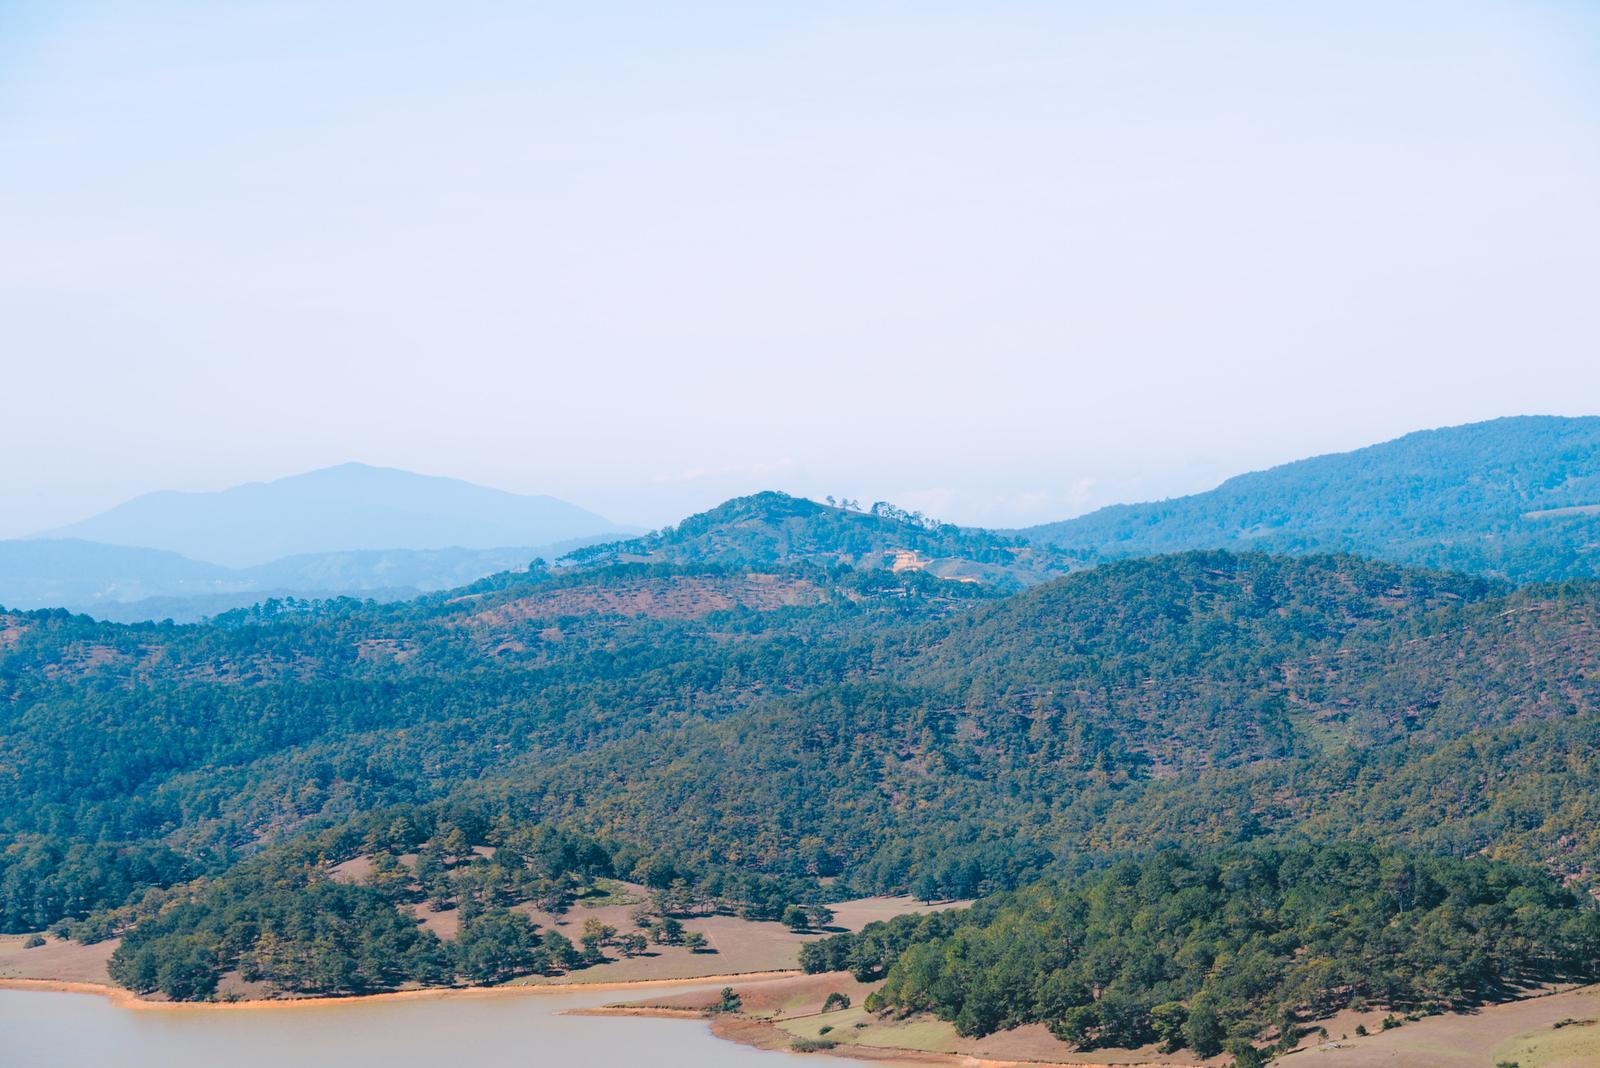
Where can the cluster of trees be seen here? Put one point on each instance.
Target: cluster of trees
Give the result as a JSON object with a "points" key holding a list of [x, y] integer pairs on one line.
{"points": [[1211, 951], [284, 923], [44, 878], [807, 917], [869, 953], [289, 920]]}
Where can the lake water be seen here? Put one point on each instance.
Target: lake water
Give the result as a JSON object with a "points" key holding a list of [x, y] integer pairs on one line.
{"points": [[51, 1030]]}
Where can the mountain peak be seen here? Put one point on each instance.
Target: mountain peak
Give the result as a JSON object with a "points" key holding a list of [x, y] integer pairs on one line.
{"points": [[349, 506], [771, 528]]}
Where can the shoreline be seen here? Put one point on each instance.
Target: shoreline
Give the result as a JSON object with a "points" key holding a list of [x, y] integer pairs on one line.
{"points": [[766, 1035], [127, 999], [763, 1034], [650, 1011], [744, 1031]]}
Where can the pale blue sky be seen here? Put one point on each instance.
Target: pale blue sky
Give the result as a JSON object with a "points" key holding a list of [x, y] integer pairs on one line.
{"points": [[1001, 261]]}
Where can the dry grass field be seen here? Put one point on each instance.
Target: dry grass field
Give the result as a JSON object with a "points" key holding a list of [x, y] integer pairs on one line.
{"points": [[55, 961], [1521, 1032], [736, 946]]}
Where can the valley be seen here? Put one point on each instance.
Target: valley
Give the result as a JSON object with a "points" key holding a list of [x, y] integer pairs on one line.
{"points": [[720, 749], [596, 535]]}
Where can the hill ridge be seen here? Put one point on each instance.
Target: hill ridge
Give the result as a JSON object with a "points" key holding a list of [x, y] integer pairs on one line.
{"points": [[1456, 498], [768, 527]]}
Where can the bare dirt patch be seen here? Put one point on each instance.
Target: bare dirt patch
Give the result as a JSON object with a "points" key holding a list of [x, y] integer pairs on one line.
{"points": [[737, 946], [354, 870], [11, 631], [56, 961], [446, 923], [81, 658], [390, 650], [1558, 513], [772, 999], [856, 914], [673, 597]]}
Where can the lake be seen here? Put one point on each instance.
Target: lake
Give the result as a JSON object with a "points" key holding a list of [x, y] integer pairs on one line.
{"points": [[55, 1030]]}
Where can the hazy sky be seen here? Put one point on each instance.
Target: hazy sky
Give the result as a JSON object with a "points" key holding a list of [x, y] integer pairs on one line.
{"points": [[1000, 261]]}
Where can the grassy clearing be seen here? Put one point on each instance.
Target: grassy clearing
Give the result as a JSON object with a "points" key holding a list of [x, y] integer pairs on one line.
{"points": [[607, 892], [1562, 1045], [857, 1027]]}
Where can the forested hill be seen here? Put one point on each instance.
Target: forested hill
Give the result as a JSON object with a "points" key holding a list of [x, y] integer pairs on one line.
{"points": [[757, 729], [774, 528], [890, 727], [1517, 498], [1218, 952], [1098, 714]]}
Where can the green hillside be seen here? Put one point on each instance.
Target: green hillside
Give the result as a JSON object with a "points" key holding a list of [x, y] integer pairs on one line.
{"points": [[749, 738], [771, 528], [1214, 952], [1098, 714], [895, 728], [1516, 498]]}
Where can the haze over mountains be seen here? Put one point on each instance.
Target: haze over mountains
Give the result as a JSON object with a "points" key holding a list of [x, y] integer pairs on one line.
{"points": [[349, 507], [1515, 498], [127, 585], [351, 529]]}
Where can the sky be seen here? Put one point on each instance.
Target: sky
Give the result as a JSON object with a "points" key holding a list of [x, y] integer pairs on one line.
{"points": [[1000, 262]]}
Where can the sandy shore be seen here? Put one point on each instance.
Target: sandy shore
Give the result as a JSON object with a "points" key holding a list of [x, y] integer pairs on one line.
{"points": [[639, 1010], [129, 1000]]}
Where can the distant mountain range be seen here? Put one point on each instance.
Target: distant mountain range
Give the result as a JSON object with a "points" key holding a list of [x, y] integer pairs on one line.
{"points": [[128, 585], [1515, 498], [349, 530], [336, 509]]}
